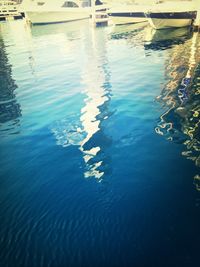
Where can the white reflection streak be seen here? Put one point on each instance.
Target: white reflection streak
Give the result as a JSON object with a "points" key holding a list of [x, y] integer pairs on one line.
{"points": [[81, 132], [192, 61], [93, 79]]}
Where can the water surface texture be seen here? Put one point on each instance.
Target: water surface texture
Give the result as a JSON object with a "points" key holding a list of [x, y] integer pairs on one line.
{"points": [[99, 146]]}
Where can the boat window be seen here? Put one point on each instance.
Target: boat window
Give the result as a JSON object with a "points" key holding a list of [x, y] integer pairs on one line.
{"points": [[98, 3], [69, 4], [40, 3], [86, 3]]}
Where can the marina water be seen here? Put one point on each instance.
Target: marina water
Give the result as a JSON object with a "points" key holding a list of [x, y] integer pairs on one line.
{"points": [[99, 146]]}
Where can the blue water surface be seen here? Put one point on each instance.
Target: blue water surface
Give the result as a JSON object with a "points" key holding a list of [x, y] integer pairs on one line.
{"points": [[99, 159]]}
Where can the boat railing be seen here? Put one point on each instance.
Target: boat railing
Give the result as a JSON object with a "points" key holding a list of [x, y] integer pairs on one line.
{"points": [[85, 3]]}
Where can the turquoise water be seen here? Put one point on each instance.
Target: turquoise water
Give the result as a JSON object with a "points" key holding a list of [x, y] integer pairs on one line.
{"points": [[99, 151]]}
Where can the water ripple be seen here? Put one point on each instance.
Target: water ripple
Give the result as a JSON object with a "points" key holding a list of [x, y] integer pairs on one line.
{"points": [[79, 102], [180, 121]]}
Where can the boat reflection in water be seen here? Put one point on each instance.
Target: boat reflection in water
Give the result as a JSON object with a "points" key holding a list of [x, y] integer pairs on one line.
{"points": [[72, 32], [128, 32], [180, 96], [166, 38], [87, 131], [10, 111]]}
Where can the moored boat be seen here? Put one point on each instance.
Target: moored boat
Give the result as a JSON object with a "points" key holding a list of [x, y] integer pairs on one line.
{"points": [[171, 15], [9, 10], [46, 12]]}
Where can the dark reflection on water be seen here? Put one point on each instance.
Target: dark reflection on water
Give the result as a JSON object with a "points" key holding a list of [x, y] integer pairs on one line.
{"points": [[167, 38], [127, 31], [180, 122], [9, 108]]}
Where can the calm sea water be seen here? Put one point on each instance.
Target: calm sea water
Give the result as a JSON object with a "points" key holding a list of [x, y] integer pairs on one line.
{"points": [[99, 146]]}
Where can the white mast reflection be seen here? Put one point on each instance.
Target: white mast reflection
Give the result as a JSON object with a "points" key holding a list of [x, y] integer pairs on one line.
{"points": [[95, 78], [87, 131]]}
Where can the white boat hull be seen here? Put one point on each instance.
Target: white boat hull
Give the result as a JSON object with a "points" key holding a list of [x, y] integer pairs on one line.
{"points": [[36, 17], [162, 17], [169, 23]]}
